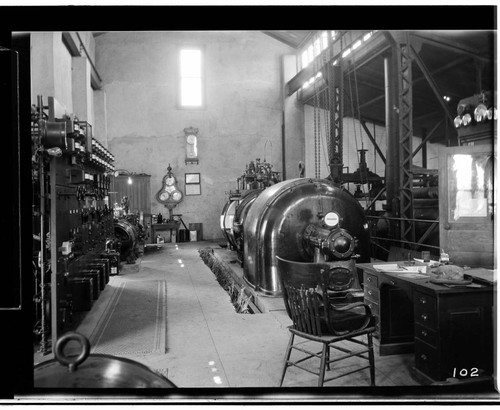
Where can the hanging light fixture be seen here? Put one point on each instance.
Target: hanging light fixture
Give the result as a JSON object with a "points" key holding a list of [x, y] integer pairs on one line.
{"points": [[124, 172], [466, 119], [480, 113], [491, 113]]}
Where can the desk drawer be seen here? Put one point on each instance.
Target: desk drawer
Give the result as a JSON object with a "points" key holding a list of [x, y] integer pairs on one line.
{"points": [[372, 294], [427, 360], [373, 306], [425, 310], [426, 334], [370, 280]]}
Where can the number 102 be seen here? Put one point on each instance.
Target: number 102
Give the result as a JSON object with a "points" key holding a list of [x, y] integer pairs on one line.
{"points": [[465, 372]]}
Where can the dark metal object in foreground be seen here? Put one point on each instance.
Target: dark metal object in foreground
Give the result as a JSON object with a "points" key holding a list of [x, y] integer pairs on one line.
{"points": [[94, 370]]}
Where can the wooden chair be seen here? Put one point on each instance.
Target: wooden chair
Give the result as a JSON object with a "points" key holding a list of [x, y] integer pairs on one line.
{"points": [[316, 319]]}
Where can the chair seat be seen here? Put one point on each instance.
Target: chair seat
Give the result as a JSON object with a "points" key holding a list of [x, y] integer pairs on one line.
{"points": [[330, 338]]}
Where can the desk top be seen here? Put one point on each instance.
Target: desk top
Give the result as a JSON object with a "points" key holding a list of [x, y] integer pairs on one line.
{"points": [[400, 278]]}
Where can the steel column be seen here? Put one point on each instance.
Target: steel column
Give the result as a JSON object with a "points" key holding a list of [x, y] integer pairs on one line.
{"points": [[404, 60], [336, 103], [391, 121]]}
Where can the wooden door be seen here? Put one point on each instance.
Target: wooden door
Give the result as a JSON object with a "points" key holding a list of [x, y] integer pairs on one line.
{"points": [[466, 205]]}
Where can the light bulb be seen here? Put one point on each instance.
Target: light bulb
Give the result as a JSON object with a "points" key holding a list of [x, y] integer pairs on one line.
{"points": [[466, 119], [480, 113]]}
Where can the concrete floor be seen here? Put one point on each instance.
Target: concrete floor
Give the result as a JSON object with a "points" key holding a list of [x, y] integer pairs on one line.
{"points": [[209, 345]]}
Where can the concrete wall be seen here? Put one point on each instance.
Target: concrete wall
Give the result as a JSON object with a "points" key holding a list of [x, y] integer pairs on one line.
{"points": [[145, 128], [56, 73], [51, 74]]}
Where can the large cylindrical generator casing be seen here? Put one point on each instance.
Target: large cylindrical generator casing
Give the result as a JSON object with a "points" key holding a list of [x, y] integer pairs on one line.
{"points": [[127, 235], [226, 220], [278, 217], [233, 215]]}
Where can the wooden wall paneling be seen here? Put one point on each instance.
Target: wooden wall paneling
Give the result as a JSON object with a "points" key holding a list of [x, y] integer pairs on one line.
{"points": [[138, 193]]}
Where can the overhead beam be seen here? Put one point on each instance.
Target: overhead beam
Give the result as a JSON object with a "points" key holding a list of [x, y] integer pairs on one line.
{"points": [[432, 83], [282, 39], [451, 45], [361, 56]]}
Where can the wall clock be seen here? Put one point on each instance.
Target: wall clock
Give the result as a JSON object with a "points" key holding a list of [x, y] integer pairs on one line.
{"points": [[191, 145], [169, 194]]}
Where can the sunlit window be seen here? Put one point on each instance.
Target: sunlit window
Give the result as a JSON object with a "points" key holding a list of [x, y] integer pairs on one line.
{"points": [[305, 59], [317, 47], [324, 40], [191, 78]]}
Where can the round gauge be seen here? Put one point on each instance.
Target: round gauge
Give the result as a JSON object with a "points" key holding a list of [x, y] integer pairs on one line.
{"points": [[164, 196], [191, 139], [331, 219], [176, 195], [170, 180]]}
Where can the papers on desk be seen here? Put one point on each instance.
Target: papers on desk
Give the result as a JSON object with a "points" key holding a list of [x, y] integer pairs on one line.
{"points": [[413, 276], [394, 267]]}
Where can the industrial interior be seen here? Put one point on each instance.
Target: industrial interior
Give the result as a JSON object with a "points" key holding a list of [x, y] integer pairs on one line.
{"points": [[262, 209]]}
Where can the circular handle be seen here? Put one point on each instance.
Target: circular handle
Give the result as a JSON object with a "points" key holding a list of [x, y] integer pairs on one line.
{"points": [[424, 333], [370, 292], [423, 357], [424, 317], [423, 301], [72, 362], [392, 282], [369, 279]]}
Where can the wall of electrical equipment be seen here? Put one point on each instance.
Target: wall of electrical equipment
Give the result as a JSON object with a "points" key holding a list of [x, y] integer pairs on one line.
{"points": [[74, 248]]}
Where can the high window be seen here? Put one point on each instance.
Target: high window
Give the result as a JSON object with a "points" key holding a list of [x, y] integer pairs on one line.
{"points": [[191, 78]]}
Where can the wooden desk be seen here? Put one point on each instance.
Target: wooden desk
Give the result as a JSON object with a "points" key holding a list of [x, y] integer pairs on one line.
{"points": [[449, 329], [168, 226]]}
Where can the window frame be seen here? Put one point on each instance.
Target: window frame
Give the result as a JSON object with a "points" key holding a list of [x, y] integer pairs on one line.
{"points": [[203, 105]]}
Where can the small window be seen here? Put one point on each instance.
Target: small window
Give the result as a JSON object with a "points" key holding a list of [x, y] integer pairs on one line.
{"points": [[191, 81]]}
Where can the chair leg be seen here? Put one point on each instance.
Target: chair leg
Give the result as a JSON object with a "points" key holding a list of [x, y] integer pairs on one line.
{"points": [[324, 353], [287, 357], [328, 358], [371, 358]]}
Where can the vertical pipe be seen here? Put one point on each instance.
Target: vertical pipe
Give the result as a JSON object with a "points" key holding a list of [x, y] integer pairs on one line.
{"points": [[283, 140], [424, 149], [43, 322]]}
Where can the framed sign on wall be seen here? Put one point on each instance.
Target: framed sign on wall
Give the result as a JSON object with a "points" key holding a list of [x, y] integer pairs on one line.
{"points": [[193, 183], [193, 178]]}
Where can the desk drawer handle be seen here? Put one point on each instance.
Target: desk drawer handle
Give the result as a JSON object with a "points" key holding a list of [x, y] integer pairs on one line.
{"points": [[369, 279], [424, 333], [370, 292], [392, 282], [424, 317], [423, 301], [423, 357]]}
